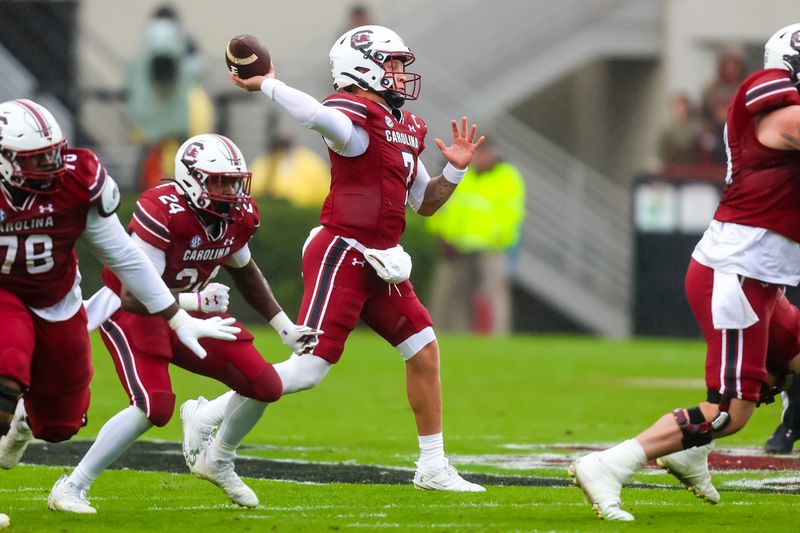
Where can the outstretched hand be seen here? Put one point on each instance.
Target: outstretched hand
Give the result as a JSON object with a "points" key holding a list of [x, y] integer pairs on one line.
{"points": [[252, 83], [459, 154]]}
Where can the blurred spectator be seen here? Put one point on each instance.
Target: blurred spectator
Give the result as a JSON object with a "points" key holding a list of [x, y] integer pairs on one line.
{"points": [[477, 228], [712, 141], [358, 15], [291, 172], [679, 142], [720, 91], [166, 103]]}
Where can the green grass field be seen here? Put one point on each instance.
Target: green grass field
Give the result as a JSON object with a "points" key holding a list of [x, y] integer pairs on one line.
{"points": [[505, 402]]}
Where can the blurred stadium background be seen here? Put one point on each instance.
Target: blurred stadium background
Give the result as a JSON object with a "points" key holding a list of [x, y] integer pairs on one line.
{"points": [[574, 92]]}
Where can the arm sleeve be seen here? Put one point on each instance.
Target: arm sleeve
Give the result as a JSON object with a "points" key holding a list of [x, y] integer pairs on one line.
{"points": [[416, 195], [156, 255], [112, 246], [337, 126], [239, 258]]}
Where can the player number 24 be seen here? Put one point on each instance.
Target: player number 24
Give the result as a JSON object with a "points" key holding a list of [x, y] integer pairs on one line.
{"points": [[38, 253]]}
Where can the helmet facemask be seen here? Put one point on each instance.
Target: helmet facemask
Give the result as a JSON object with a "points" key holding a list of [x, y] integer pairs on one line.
{"points": [[224, 194], [37, 171], [400, 84]]}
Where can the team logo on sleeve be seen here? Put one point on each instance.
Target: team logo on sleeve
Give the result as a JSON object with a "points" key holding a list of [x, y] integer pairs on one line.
{"points": [[196, 241]]}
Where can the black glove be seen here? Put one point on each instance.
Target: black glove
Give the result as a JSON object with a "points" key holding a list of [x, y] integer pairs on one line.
{"points": [[792, 63]]}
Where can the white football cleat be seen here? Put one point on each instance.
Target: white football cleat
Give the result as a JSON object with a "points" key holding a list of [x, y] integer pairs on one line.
{"points": [[222, 474], [13, 444], [68, 498], [444, 478], [691, 468], [196, 435], [600, 486]]}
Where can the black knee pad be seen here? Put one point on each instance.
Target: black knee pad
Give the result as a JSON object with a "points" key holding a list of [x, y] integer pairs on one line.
{"points": [[696, 429], [9, 397]]}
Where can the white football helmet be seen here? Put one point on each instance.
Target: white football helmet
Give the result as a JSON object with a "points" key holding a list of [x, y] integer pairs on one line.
{"points": [[213, 174], [30, 147], [784, 42], [359, 58]]}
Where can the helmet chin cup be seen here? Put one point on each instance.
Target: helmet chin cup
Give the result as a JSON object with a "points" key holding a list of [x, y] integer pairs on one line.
{"points": [[394, 99]]}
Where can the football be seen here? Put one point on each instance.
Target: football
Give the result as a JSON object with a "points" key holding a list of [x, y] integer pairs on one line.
{"points": [[246, 56]]}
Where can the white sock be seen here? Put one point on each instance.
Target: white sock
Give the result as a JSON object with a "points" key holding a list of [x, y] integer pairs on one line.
{"points": [[21, 417], [114, 438], [241, 415], [213, 412], [431, 450], [625, 458]]}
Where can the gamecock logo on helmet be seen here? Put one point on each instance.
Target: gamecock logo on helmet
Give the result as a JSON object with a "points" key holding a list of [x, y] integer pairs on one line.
{"points": [[189, 157], [361, 39], [794, 42]]}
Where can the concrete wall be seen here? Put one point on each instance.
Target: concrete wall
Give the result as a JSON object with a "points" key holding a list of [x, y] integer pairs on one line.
{"points": [[298, 34]]}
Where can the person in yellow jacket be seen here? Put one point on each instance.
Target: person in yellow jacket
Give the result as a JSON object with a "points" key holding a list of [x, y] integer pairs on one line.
{"points": [[292, 172], [477, 228]]}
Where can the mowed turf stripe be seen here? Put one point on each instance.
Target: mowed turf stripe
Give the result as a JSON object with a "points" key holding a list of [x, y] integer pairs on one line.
{"points": [[167, 457]]}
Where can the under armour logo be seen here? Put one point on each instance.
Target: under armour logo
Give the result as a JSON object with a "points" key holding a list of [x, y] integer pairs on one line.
{"points": [[356, 262], [228, 242], [46, 208]]}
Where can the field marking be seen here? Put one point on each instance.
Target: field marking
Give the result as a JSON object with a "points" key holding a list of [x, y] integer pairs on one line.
{"points": [[543, 466]]}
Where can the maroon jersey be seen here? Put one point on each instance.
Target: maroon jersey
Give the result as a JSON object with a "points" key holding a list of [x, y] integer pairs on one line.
{"points": [[368, 193], [763, 184], [165, 219], [37, 240]]}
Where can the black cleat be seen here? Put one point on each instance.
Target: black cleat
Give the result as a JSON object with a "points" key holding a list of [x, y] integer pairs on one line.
{"points": [[781, 442]]}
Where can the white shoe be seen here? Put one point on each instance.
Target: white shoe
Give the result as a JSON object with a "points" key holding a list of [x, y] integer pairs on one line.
{"points": [[600, 486], [444, 478], [67, 497], [196, 435], [13, 444], [691, 468], [221, 474]]}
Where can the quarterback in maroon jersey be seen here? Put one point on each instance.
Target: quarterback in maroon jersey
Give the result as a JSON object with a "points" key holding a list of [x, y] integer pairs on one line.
{"points": [[188, 229], [353, 266], [734, 285], [50, 196]]}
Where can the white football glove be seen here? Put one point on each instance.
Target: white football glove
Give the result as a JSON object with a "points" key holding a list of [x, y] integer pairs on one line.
{"points": [[190, 329], [213, 299], [301, 339]]}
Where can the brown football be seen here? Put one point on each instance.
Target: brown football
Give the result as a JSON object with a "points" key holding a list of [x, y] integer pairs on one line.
{"points": [[246, 57]]}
